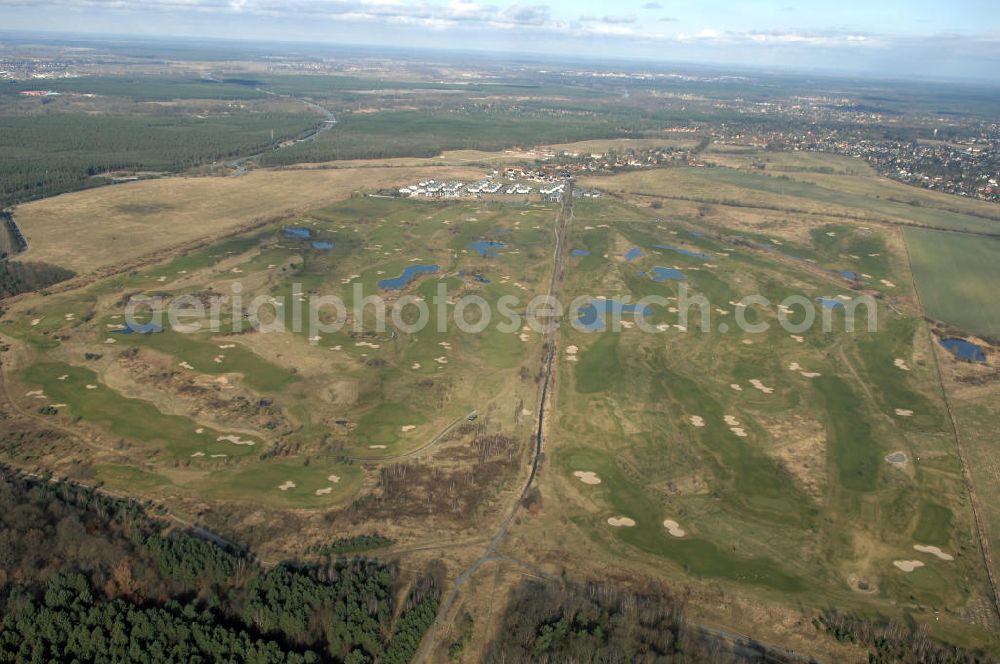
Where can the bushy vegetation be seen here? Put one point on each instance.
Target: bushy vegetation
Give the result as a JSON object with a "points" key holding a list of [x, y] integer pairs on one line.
{"points": [[87, 577], [889, 642]]}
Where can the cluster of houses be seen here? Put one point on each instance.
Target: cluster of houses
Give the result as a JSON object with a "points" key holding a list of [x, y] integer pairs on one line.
{"points": [[487, 187]]}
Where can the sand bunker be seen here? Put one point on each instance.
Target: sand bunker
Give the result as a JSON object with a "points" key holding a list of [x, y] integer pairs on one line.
{"points": [[621, 521], [376, 447], [441, 360], [746, 342], [227, 346], [63, 377], [810, 374], [35, 321], [323, 492], [760, 386], [34, 393], [407, 427], [900, 364], [794, 366], [91, 387], [908, 565], [286, 485], [368, 344], [185, 365], [109, 340], [739, 432], [235, 440], [904, 412], [333, 478], [736, 386], [731, 420], [674, 528], [199, 430], [888, 284], [587, 476], [697, 421], [198, 454], [934, 551], [219, 456]]}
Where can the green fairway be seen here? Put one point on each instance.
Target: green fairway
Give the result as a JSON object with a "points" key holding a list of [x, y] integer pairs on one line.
{"points": [[139, 421]]}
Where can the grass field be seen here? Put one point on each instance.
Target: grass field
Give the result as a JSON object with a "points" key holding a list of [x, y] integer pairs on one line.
{"points": [[92, 229], [956, 275]]}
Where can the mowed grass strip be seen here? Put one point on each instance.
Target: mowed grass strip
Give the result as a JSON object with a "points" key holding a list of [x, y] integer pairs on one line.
{"points": [[956, 276], [853, 450], [934, 524], [133, 419]]}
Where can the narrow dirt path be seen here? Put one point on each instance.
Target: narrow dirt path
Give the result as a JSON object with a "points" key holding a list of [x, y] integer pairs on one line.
{"points": [[550, 343]]}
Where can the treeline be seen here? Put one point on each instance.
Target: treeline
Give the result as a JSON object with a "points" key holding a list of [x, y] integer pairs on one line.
{"points": [[890, 642], [563, 622], [427, 133], [88, 577], [19, 277], [50, 154], [355, 544]]}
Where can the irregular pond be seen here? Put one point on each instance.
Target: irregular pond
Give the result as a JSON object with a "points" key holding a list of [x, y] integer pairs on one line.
{"points": [[830, 302], [848, 274], [487, 248], [682, 251], [139, 328], [661, 274], [591, 316], [409, 274], [579, 252], [632, 254], [297, 233], [323, 245], [964, 350]]}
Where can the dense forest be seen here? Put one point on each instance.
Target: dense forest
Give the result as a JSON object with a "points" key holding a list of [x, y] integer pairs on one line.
{"points": [[19, 277], [87, 577], [552, 622], [407, 133], [51, 154]]}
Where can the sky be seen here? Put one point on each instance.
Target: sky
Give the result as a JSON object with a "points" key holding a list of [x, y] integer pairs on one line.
{"points": [[886, 38]]}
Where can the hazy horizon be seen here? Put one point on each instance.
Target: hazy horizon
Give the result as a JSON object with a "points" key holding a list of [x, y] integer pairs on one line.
{"points": [[890, 40]]}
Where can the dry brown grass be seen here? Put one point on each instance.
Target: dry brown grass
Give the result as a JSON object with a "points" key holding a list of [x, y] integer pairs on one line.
{"points": [[91, 229]]}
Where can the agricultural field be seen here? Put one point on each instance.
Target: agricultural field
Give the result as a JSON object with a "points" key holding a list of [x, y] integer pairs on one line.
{"points": [[956, 274]]}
